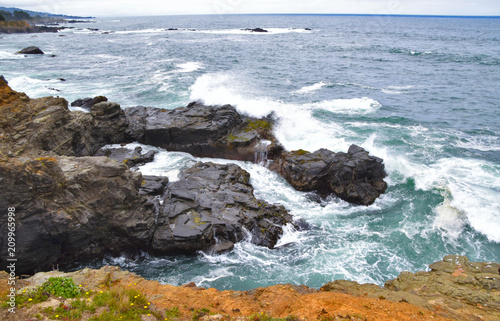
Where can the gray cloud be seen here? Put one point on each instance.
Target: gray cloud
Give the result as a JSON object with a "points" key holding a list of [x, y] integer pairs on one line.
{"points": [[153, 7]]}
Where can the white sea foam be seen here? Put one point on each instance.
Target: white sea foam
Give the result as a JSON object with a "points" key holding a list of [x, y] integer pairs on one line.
{"points": [[348, 83], [449, 220], [270, 31], [5, 55], [297, 128], [35, 88], [396, 90], [152, 30], [474, 187], [311, 88], [189, 66], [481, 143], [362, 105]]}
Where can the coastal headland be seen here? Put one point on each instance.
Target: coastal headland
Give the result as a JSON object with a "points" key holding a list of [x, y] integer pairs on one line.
{"points": [[73, 200]]}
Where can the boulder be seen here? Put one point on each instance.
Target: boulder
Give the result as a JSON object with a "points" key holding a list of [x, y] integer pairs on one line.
{"points": [[32, 50], [212, 206], [354, 176], [194, 126]]}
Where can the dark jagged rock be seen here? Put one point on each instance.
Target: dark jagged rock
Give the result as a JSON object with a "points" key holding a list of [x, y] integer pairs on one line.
{"points": [[126, 156], [220, 132], [32, 50], [70, 208], [215, 203], [354, 176], [193, 126], [85, 207], [255, 29], [46, 126], [153, 185], [87, 103], [203, 131]]}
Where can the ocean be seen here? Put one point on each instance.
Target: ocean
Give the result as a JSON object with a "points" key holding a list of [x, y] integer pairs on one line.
{"points": [[420, 92]]}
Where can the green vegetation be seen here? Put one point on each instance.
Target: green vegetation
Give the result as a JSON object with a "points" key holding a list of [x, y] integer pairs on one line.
{"points": [[16, 15], [21, 15], [6, 15], [61, 287], [258, 124], [77, 303], [172, 314], [300, 152]]}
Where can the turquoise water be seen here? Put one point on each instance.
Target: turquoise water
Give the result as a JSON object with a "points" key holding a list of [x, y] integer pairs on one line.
{"points": [[419, 92]]}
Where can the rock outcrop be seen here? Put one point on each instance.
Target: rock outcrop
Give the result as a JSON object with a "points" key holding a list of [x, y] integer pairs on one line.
{"points": [[73, 208], [32, 50], [339, 300], [255, 30], [46, 126], [455, 288], [23, 27], [213, 204], [220, 132], [354, 176], [87, 103], [84, 207], [203, 131]]}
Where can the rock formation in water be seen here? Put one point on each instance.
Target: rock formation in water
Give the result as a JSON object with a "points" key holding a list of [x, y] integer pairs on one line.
{"points": [[72, 206], [221, 132], [354, 176], [32, 50]]}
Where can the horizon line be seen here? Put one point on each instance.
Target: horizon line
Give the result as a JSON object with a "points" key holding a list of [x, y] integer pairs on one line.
{"points": [[312, 14]]}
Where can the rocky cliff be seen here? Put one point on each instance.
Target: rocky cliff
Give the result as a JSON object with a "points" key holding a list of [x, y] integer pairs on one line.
{"points": [[454, 289]]}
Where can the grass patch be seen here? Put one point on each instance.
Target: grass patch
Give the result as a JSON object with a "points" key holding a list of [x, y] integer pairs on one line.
{"points": [[77, 303]]}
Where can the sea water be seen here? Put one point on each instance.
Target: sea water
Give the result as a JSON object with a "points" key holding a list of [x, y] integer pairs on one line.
{"points": [[420, 92]]}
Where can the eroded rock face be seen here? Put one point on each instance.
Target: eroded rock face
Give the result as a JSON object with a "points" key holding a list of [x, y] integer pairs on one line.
{"points": [[455, 288], [85, 207], [192, 128], [213, 204], [204, 131], [467, 287], [354, 176], [70, 208], [45, 126]]}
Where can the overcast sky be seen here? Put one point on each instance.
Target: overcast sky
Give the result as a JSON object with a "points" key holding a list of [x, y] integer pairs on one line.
{"points": [[102, 8]]}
